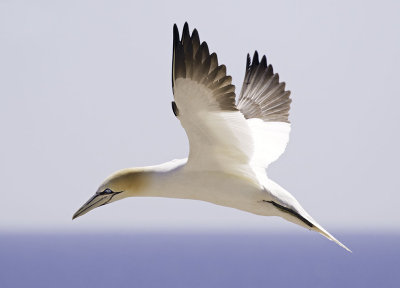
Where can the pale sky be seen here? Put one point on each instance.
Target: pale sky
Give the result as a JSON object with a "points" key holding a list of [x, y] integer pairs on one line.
{"points": [[85, 90]]}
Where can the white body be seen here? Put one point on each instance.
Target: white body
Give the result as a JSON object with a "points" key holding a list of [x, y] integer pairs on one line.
{"points": [[175, 179], [231, 144]]}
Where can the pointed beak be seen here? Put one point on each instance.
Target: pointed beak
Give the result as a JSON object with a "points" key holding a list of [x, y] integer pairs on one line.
{"points": [[96, 201]]}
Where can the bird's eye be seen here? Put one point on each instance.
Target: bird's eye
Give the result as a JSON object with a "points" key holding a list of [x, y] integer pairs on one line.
{"points": [[106, 191]]}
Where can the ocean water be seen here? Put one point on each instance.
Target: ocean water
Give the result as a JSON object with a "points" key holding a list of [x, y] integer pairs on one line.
{"points": [[198, 260]]}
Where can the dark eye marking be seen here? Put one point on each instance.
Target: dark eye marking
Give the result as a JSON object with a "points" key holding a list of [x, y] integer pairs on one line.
{"points": [[106, 191]]}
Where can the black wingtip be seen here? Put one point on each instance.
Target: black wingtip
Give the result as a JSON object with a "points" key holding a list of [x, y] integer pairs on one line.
{"points": [[192, 60], [195, 33], [248, 61], [186, 29], [264, 61], [255, 58], [270, 69], [204, 51], [176, 34], [185, 32]]}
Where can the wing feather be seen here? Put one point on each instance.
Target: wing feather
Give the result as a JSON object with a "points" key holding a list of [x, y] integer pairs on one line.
{"points": [[219, 135], [265, 104], [262, 95]]}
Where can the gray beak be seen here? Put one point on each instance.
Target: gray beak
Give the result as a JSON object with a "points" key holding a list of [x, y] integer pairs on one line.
{"points": [[99, 199]]}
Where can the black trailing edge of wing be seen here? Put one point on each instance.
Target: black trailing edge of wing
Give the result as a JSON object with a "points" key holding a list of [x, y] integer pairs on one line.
{"points": [[191, 59], [262, 95], [291, 212]]}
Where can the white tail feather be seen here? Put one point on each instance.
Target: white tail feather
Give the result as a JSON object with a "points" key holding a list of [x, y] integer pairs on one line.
{"points": [[325, 233]]}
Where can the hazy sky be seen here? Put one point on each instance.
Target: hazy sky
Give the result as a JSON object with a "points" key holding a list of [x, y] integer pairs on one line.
{"points": [[85, 89]]}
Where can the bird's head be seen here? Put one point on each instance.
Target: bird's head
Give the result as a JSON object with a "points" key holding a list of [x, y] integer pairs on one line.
{"points": [[122, 184]]}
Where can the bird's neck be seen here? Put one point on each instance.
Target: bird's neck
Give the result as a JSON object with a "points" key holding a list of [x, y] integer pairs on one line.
{"points": [[162, 180]]}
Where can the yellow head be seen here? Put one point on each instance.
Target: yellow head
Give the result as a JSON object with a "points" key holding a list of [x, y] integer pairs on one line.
{"points": [[121, 184]]}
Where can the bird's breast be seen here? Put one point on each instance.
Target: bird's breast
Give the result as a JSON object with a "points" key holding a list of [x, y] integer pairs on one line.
{"points": [[212, 186]]}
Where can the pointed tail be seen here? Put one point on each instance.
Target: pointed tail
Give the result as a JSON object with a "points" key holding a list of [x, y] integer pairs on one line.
{"points": [[325, 233], [290, 209]]}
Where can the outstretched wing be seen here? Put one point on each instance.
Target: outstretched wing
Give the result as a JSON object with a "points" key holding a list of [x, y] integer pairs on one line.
{"points": [[265, 104], [219, 136]]}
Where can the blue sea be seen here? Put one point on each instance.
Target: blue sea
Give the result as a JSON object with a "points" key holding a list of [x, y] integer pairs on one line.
{"points": [[198, 260]]}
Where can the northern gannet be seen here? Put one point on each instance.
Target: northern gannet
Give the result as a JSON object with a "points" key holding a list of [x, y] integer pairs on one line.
{"points": [[231, 144]]}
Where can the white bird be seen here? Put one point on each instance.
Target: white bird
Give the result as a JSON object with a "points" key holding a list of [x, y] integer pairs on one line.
{"points": [[231, 144]]}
